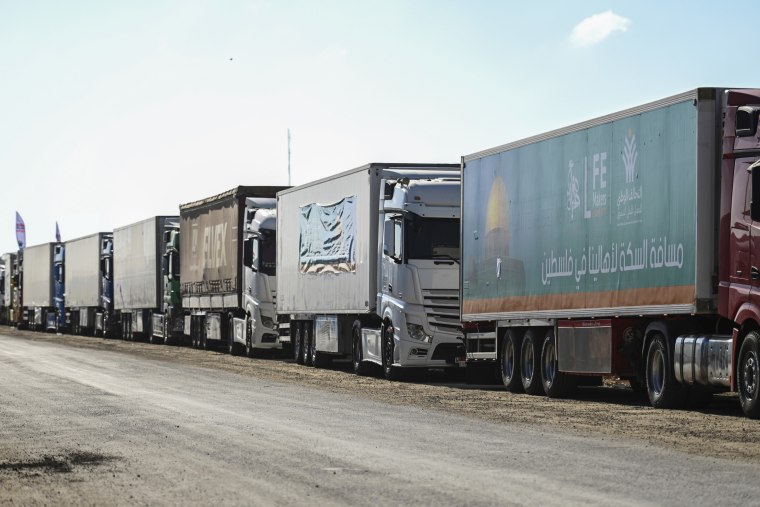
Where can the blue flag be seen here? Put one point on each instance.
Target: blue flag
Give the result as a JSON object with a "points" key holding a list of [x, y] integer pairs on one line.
{"points": [[57, 232], [20, 232]]}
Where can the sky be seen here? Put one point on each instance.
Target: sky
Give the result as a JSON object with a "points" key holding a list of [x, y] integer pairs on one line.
{"points": [[112, 112]]}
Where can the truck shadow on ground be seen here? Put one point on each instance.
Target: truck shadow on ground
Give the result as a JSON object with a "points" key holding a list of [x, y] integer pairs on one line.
{"points": [[724, 405]]}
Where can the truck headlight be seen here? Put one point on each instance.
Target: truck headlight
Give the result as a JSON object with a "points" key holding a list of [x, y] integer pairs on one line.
{"points": [[267, 322], [417, 332]]}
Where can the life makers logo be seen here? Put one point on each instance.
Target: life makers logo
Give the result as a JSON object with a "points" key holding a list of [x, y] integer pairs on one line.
{"points": [[630, 154], [573, 196], [630, 204]]}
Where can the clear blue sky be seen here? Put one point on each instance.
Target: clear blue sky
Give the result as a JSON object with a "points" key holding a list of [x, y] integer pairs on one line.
{"points": [[111, 112]]}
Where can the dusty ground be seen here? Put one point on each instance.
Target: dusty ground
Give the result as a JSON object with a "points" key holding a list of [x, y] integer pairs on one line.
{"points": [[720, 431]]}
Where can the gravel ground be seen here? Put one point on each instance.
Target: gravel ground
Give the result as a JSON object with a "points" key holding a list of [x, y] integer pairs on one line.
{"points": [[92, 421], [720, 430]]}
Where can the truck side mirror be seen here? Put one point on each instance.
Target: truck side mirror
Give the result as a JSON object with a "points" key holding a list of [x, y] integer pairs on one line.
{"points": [[746, 121], [389, 243], [165, 265]]}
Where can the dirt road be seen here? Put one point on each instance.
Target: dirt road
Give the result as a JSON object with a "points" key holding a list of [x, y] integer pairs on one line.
{"points": [[93, 421]]}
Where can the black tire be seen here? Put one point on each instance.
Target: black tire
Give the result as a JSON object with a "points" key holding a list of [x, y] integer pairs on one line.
{"points": [[389, 345], [311, 350], [298, 343], [509, 361], [249, 350], [556, 383], [361, 368], [530, 363], [663, 389], [204, 344], [105, 333], [167, 334], [748, 378]]}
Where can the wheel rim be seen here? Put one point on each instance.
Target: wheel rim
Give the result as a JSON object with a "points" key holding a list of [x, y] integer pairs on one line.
{"points": [[749, 380], [388, 359], [527, 361], [508, 359], [313, 346], [656, 373], [357, 351], [248, 333], [549, 364]]}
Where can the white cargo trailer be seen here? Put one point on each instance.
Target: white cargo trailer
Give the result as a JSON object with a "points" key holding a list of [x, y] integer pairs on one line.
{"points": [[88, 289], [42, 290], [368, 267], [138, 275]]}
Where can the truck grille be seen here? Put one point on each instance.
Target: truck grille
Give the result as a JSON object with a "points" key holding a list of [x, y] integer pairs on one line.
{"points": [[442, 308]]}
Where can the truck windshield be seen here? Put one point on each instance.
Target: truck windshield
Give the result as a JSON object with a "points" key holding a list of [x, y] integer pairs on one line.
{"points": [[432, 238], [267, 253]]}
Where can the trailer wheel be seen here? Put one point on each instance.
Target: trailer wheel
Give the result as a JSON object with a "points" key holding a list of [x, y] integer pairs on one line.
{"points": [[556, 383], [311, 346], [663, 389], [530, 363], [249, 351], [360, 367], [391, 372], [748, 380], [298, 344], [167, 336], [510, 365], [204, 344]]}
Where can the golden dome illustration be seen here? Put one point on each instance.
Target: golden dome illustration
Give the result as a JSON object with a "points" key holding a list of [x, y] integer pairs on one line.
{"points": [[497, 220]]}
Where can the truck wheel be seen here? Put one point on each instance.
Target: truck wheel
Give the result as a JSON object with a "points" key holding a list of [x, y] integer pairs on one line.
{"points": [[510, 366], [193, 335], [748, 380], [167, 336], [297, 342], [249, 350], [360, 367], [556, 383], [530, 363], [391, 372], [662, 388], [309, 345]]}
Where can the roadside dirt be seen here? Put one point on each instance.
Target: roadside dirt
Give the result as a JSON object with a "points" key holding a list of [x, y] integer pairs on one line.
{"points": [[612, 411]]}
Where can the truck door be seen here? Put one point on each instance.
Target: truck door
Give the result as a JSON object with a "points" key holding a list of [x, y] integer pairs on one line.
{"points": [[752, 167], [741, 223]]}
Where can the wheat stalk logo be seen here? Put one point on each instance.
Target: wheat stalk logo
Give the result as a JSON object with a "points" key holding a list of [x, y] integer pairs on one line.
{"points": [[630, 154], [573, 197]]}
